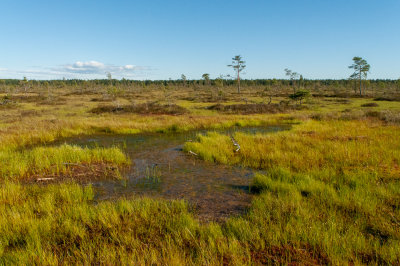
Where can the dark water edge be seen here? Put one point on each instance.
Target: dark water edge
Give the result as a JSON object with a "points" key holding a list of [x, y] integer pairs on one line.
{"points": [[160, 169]]}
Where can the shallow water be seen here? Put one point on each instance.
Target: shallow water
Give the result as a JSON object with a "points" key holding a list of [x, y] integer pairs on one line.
{"points": [[160, 169]]}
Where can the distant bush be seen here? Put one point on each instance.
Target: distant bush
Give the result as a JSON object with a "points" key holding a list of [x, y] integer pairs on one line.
{"points": [[144, 108], [392, 99], [325, 116], [7, 102], [253, 108], [390, 116], [300, 95], [376, 114], [369, 105]]}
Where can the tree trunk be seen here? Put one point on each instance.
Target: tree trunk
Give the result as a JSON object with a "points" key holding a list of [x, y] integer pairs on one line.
{"points": [[365, 87], [355, 86], [360, 84], [294, 86], [238, 82]]}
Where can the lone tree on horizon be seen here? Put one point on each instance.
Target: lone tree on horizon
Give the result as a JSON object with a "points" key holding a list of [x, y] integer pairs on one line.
{"points": [[109, 77], [206, 78], [293, 76], [183, 77], [361, 69], [238, 65]]}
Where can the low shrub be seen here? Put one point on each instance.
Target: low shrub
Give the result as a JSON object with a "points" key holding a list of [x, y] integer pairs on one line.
{"points": [[144, 108], [253, 108], [369, 105]]}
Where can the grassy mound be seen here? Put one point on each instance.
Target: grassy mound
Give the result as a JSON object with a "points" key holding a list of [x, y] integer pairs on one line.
{"points": [[144, 108], [370, 105], [58, 224], [45, 161], [256, 108], [388, 99]]}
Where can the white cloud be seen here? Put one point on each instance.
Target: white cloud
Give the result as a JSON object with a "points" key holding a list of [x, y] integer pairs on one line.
{"points": [[94, 64], [90, 67], [94, 67], [80, 70], [129, 67]]}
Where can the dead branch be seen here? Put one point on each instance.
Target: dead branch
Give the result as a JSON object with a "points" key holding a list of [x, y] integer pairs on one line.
{"points": [[235, 143], [193, 153]]}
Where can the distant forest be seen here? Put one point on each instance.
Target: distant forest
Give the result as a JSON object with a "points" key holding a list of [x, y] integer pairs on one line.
{"points": [[306, 83]]}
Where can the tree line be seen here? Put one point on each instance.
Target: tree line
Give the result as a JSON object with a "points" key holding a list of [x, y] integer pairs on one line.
{"points": [[210, 82], [357, 81]]}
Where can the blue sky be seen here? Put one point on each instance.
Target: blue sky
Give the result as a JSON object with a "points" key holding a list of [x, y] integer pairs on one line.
{"points": [[158, 39]]}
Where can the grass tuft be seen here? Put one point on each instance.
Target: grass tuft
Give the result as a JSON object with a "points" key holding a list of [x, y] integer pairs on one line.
{"points": [[55, 160]]}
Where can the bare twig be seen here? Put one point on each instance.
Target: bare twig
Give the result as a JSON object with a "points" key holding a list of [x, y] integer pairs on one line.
{"points": [[193, 153], [235, 143], [44, 179]]}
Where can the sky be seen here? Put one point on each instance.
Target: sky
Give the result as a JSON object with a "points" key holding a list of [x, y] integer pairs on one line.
{"points": [[158, 39]]}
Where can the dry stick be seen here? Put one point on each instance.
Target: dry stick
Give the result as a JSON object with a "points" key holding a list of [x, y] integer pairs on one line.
{"points": [[44, 179], [193, 153], [235, 143]]}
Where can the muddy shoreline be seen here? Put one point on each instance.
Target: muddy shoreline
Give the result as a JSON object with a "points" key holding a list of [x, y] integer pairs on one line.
{"points": [[161, 169]]}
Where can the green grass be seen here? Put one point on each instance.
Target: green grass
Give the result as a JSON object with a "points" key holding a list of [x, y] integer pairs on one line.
{"points": [[347, 222], [59, 224], [330, 185], [340, 146], [54, 160], [328, 190]]}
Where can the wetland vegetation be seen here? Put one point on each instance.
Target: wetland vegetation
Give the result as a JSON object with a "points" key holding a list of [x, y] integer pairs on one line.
{"points": [[146, 172]]}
